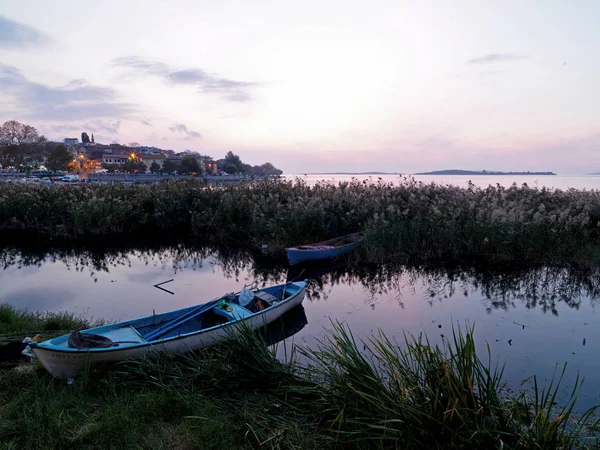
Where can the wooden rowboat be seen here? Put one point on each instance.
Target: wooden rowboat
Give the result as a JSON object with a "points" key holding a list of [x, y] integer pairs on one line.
{"points": [[174, 332], [324, 250]]}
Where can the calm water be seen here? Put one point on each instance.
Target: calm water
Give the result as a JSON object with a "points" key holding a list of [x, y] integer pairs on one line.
{"points": [[532, 319], [559, 181]]}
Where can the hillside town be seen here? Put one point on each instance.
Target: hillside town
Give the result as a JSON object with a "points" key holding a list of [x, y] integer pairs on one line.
{"points": [[23, 151]]}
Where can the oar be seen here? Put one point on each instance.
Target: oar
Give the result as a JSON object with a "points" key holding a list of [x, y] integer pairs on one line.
{"points": [[178, 320]]}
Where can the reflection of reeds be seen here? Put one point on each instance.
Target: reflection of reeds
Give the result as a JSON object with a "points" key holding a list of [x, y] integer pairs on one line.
{"points": [[348, 394], [412, 220], [501, 287]]}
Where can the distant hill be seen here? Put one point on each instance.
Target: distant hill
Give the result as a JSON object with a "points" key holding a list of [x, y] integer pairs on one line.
{"points": [[481, 172]]}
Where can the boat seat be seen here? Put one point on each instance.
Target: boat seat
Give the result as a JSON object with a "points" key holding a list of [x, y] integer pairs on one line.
{"points": [[266, 297], [126, 334]]}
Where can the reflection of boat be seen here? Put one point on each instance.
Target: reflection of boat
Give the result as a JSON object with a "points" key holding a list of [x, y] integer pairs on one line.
{"points": [[324, 250], [284, 327], [315, 269], [180, 331]]}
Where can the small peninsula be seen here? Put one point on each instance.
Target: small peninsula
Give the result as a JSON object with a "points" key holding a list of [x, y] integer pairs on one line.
{"points": [[481, 172]]}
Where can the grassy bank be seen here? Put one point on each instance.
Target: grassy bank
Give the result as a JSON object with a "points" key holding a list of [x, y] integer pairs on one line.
{"points": [[412, 221], [346, 394], [18, 322]]}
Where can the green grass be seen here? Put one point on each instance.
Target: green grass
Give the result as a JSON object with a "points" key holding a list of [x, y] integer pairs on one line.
{"points": [[14, 321], [410, 221], [344, 394]]}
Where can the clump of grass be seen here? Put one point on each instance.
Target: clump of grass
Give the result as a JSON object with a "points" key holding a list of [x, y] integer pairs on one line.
{"points": [[345, 394], [555, 426], [416, 395], [17, 321]]}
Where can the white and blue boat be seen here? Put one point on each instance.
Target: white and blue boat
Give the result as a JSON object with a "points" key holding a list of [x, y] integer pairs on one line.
{"points": [[174, 332], [324, 250]]}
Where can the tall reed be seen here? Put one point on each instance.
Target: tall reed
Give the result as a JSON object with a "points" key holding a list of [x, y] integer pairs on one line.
{"points": [[412, 219]]}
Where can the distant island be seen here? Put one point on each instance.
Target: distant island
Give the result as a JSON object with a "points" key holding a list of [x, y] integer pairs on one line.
{"points": [[481, 172]]}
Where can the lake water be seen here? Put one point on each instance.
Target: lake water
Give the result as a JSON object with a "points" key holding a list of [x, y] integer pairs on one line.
{"points": [[550, 181], [531, 319]]}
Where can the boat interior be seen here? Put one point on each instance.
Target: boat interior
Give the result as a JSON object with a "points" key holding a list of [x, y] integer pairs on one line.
{"points": [[332, 243], [189, 320]]}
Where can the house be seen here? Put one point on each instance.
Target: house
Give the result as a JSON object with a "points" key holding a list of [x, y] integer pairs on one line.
{"points": [[144, 150], [114, 159], [103, 148], [71, 141]]}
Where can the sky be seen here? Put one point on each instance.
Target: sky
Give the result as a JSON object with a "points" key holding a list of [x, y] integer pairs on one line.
{"points": [[315, 86]]}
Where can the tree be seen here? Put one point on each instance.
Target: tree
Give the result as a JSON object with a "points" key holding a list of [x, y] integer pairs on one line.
{"points": [[21, 146], [134, 165], [257, 171], [85, 139], [230, 168], [12, 156], [190, 164], [154, 167], [269, 169], [134, 144], [59, 158], [169, 166], [231, 158], [16, 133]]}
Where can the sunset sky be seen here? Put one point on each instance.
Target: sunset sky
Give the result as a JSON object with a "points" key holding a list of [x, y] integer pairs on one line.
{"points": [[315, 86]]}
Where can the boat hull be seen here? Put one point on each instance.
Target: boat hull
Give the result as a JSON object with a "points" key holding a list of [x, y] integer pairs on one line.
{"points": [[69, 364], [298, 255]]}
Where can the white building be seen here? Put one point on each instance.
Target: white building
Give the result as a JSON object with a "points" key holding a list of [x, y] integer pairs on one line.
{"points": [[71, 141], [111, 160], [144, 150]]}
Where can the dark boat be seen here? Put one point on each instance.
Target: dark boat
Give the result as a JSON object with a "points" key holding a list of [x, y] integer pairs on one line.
{"points": [[324, 250]]}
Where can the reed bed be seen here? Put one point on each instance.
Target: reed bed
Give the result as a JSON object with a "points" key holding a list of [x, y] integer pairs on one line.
{"points": [[410, 220], [343, 394]]}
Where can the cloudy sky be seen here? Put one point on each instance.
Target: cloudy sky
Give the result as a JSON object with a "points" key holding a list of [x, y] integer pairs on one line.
{"points": [[315, 86]]}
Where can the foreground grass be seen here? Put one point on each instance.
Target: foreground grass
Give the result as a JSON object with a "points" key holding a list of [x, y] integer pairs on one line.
{"points": [[413, 220], [345, 395]]}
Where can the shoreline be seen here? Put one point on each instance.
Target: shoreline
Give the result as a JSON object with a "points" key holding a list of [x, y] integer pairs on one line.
{"points": [[239, 395]]}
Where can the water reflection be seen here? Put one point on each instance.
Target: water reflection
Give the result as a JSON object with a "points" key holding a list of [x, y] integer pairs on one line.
{"points": [[516, 312], [285, 327], [540, 287]]}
